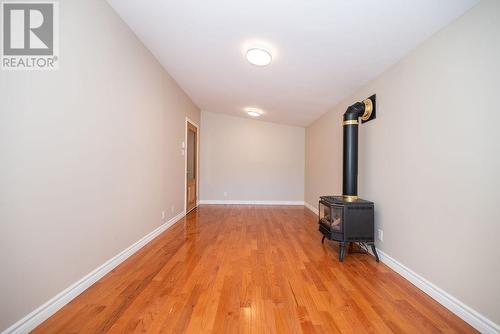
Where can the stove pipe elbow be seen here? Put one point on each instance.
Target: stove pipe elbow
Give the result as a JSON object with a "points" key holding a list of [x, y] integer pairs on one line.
{"points": [[366, 111]]}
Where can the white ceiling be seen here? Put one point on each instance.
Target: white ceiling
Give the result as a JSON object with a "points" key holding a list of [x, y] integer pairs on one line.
{"points": [[323, 49]]}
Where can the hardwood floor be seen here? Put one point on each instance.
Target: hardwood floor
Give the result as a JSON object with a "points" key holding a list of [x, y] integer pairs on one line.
{"points": [[251, 269]]}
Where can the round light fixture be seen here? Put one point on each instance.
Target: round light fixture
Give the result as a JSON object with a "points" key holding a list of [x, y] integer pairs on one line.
{"points": [[254, 112], [259, 57]]}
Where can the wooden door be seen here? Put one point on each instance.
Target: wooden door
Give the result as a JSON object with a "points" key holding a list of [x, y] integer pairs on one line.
{"points": [[191, 167]]}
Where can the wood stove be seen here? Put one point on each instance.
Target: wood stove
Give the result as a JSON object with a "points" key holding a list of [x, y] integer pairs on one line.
{"points": [[347, 221], [348, 218]]}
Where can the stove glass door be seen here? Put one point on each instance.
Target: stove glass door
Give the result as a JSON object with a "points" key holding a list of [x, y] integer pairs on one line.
{"points": [[336, 220], [332, 216]]}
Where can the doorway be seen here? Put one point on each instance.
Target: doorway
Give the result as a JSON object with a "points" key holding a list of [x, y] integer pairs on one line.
{"points": [[191, 165]]}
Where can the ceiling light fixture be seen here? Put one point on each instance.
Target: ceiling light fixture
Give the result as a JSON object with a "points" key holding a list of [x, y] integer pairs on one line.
{"points": [[254, 112], [259, 57]]}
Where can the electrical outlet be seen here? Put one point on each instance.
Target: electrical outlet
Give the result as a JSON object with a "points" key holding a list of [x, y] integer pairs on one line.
{"points": [[380, 235], [225, 193], [172, 209], [163, 215]]}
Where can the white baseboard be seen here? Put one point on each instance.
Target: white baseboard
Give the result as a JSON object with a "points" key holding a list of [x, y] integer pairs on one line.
{"points": [[36, 317], [222, 202], [472, 317], [469, 315], [311, 207], [39, 315]]}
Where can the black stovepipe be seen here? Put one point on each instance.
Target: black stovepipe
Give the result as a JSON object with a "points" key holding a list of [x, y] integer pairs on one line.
{"points": [[365, 110]]}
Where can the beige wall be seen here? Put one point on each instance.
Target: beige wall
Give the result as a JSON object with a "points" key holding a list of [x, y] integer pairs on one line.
{"points": [[430, 161], [90, 157], [251, 160]]}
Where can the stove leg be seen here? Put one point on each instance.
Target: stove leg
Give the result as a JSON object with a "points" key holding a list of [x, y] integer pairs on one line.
{"points": [[323, 240], [374, 250], [342, 251]]}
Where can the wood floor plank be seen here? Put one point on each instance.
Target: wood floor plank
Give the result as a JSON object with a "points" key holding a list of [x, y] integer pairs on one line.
{"points": [[251, 269]]}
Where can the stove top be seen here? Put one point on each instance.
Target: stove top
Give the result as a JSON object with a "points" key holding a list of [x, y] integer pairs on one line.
{"points": [[343, 201]]}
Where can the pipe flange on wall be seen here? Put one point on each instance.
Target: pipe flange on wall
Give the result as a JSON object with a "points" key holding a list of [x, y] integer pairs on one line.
{"points": [[368, 110]]}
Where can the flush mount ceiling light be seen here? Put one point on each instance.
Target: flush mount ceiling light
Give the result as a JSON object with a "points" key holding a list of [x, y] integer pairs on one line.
{"points": [[254, 112], [259, 57]]}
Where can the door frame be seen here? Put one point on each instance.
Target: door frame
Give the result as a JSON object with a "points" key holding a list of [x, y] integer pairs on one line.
{"points": [[197, 162]]}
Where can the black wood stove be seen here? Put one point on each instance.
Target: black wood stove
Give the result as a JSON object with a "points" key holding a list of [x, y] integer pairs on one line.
{"points": [[347, 218]]}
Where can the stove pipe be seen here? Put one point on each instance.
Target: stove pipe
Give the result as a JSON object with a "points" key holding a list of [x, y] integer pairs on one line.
{"points": [[366, 111]]}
